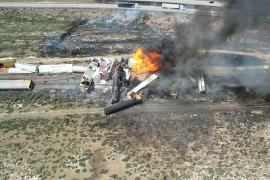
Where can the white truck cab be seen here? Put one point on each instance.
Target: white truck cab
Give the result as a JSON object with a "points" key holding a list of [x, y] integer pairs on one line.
{"points": [[136, 5], [182, 7]]}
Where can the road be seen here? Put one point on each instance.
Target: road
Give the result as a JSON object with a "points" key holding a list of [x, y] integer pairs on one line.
{"points": [[192, 2], [88, 6]]}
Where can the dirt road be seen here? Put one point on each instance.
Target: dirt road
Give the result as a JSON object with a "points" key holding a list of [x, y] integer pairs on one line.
{"points": [[50, 113], [150, 106]]}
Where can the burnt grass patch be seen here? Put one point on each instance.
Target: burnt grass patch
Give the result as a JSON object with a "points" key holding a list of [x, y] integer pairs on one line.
{"points": [[115, 33], [205, 144], [178, 130]]}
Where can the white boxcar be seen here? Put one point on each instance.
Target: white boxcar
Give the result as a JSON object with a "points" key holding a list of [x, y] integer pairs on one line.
{"points": [[16, 70], [79, 69], [51, 69], [170, 6], [16, 85], [27, 67]]}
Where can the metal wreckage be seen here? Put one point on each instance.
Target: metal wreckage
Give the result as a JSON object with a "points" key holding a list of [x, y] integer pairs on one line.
{"points": [[117, 74]]}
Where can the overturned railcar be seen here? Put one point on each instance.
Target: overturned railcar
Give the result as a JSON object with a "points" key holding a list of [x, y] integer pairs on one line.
{"points": [[19, 85], [121, 106]]}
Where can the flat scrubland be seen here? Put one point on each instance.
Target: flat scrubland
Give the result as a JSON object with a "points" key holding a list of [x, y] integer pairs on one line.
{"points": [[27, 32], [22, 30], [231, 144], [95, 147]]}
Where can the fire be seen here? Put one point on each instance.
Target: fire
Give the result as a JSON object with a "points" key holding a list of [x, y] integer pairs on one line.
{"points": [[145, 62], [137, 96]]}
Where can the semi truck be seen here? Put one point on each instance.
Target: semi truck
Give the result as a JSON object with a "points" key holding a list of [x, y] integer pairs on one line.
{"points": [[173, 6], [128, 5]]}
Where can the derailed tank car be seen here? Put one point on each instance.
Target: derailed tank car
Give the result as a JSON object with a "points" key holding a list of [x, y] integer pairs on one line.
{"points": [[20, 85]]}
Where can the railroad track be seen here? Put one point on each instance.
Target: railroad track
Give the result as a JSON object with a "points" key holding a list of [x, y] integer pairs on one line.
{"points": [[177, 106], [47, 81], [25, 75]]}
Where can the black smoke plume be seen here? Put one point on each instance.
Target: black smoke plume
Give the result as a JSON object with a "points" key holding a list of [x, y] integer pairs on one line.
{"points": [[193, 39], [201, 34]]}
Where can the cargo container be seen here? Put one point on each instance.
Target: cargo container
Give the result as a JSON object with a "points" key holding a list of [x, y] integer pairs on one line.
{"points": [[51, 69], [27, 67], [7, 62], [6, 85], [170, 6]]}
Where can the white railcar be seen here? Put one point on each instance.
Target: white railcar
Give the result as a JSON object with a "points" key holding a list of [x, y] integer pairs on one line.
{"points": [[58, 68], [79, 69], [16, 85], [16, 70], [27, 67]]}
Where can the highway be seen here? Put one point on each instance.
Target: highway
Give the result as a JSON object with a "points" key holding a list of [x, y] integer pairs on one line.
{"points": [[89, 6], [192, 2]]}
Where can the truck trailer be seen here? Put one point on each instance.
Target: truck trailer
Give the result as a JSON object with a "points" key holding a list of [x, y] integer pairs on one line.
{"points": [[128, 5], [173, 6]]}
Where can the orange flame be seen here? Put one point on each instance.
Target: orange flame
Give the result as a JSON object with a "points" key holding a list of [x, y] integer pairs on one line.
{"points": [[145, 63], [138, 96]]}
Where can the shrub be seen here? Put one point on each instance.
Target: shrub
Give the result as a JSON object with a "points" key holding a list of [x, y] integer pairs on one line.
{"points": [[77, 171], [82, 164], [103, 171], [126, 159], [114, 176], [128, 165]]}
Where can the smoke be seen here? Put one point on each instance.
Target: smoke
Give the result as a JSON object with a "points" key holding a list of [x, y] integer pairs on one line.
{"points": [[131, 14], [202, 32], [193, 39], [116, 17], [241, 15], [194, 36]]}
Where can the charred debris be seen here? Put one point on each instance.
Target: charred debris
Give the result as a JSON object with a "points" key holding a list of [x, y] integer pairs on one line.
{"points": [[131, 81], [130, 87], [104, 73]]}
